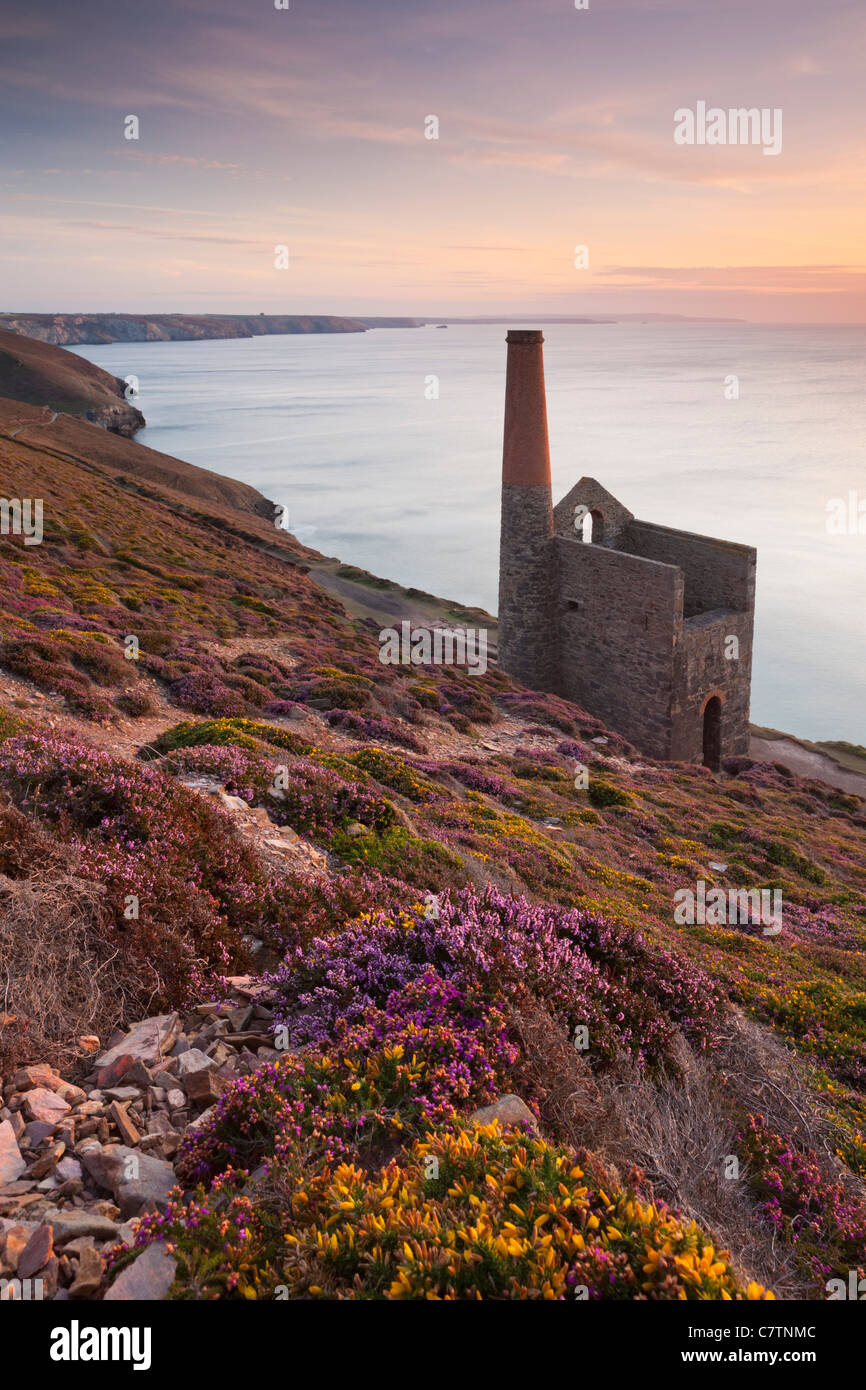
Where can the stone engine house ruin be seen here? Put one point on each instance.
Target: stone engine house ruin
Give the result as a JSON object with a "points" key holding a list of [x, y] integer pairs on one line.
{"points": [[646, 627]]}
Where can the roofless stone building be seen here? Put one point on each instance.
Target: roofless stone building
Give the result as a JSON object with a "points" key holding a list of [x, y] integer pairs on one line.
{"points": [[646, 627]]}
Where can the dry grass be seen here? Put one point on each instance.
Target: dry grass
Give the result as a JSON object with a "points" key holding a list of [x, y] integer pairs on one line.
{"points": [[59, 978], [676, 1129]]}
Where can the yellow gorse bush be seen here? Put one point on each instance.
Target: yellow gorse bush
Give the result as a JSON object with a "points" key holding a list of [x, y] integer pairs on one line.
{"points": [[482, 1214]]}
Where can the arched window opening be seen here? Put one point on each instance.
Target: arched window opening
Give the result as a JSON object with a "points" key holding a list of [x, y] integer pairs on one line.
{"points": [[589, 525]]}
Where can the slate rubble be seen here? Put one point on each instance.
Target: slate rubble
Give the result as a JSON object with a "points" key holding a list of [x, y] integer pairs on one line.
{"points": [[79, 1164]]}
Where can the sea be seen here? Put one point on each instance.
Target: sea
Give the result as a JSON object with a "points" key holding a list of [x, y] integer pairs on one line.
{"points": [[385, 449]]}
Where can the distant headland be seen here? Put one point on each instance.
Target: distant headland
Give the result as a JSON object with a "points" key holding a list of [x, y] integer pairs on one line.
{"points": [[73, 330], [68, 330]]}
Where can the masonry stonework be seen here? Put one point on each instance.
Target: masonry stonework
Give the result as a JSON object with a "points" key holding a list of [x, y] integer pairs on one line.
{"points": [[646, 627]]}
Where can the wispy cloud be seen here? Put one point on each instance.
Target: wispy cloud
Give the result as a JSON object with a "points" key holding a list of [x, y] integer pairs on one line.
{"points": [[186, 159], [556, 126]]}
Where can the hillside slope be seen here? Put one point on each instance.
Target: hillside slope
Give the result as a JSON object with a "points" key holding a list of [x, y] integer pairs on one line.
{"points": [[61, 381], [496, 1061], [31, 439]]}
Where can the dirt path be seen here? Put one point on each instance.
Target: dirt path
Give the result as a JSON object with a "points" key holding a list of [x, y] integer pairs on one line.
{"points": [[807, 762], [42, 425]]}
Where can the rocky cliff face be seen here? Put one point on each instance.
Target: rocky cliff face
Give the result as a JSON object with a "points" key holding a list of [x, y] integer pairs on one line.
{"points": [[65, 330], [120, 418]]}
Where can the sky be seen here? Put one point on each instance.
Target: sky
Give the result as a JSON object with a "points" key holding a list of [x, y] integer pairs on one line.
{"points": [[307, 128]]}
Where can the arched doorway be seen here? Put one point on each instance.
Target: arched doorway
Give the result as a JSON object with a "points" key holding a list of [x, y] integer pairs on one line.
{"points": [[713, 733]]}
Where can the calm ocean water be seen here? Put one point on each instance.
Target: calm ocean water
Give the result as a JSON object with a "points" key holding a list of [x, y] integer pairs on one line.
{"points": [[339, 428]]}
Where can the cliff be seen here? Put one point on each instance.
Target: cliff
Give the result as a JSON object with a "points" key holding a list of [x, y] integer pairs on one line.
{"points": [[68, 330], [38, 375]]}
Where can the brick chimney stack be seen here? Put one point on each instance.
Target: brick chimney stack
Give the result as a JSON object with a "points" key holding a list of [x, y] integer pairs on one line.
{"points": [[527, 580], [525, 450]]}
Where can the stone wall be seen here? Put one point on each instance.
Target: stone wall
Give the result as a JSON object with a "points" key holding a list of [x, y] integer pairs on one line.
{"points": [[615, 518], [618, 619], [718, 574], [527, 638], [701, 669]]}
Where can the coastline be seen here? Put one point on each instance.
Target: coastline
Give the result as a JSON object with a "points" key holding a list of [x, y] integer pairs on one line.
{"points": [[68, 330]]}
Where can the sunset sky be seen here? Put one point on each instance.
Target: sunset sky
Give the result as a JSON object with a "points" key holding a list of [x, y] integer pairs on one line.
{"points": [[305, 127]]}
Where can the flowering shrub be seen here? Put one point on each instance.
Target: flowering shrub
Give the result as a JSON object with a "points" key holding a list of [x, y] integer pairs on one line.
{"points": [[281, 708], [536, 764], [243, 733], [241, 773], [503, 1217], [361, 726], [603, 793], [545, 709], [318, 802], [470, 775], [826, 1223], [312, 905], [394, 772], [9, 724], [206, 694], [328, 687], [505, 838], [89, 652], [196, 887], [586, 971], [466, 1215], [400, 1070], [577, 752], [313, 800], [135, 703], [425, 863], [50, 663]]}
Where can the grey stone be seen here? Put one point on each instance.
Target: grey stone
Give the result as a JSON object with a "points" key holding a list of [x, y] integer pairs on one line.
{"points": [[89, 1277], [203, 1119], [36, 1253], [71, 1225], [47, 1106], [147, 1280], [68, 1168], [147, 1042], [38, 1131], [507, 1111], [137, 1181], [138, 1075], [12, 1165], [193, 1061]]}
